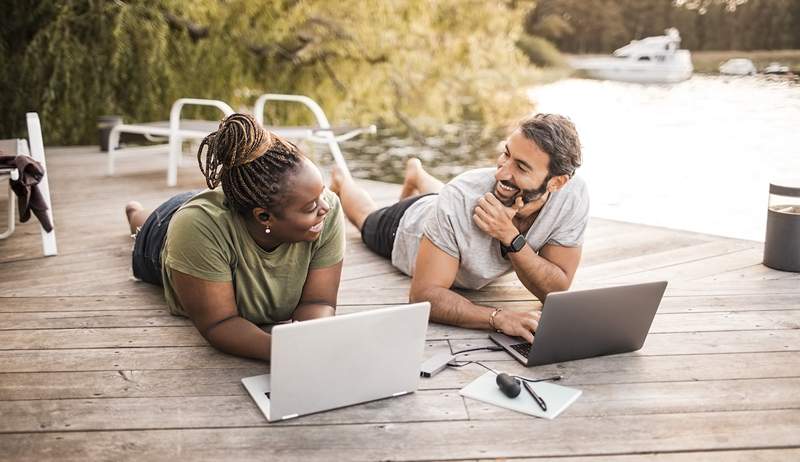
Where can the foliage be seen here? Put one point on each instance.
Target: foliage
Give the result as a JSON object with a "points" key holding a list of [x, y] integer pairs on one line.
{"points": [[540, 51], [417, 63], [600, 26]]}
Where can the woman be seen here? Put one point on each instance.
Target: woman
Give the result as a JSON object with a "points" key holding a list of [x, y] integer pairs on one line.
{"points": [[266, 248]]}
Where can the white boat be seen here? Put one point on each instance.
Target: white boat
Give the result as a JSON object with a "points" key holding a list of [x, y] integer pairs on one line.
{"points": [[737, 66], [650, 60], [776, 68]]}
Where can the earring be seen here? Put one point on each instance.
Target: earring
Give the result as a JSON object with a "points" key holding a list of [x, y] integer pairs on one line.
{"points": [[267, 230]]}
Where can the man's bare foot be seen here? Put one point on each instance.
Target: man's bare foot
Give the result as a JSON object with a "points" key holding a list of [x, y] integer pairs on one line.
{"points": [[413, 169], [131, 208], [337, 178]]}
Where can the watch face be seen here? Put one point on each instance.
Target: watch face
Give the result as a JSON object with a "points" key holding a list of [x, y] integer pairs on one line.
{"points": [[518, 243]]}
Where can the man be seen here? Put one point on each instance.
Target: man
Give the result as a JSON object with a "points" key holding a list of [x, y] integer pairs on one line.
{"points": [[527, 215]]}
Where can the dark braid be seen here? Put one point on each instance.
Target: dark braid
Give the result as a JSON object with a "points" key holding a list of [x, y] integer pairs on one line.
{"points": [[250, 162]]}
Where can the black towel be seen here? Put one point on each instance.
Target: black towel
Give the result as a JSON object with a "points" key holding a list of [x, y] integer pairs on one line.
{"points": [[29, 198]]}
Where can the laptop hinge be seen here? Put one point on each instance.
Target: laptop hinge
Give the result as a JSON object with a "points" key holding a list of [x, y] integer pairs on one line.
{"points": [[290, 416], [399, 393]]}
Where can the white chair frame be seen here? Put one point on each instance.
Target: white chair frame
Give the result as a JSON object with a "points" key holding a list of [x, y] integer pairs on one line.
{"points": [[173, 133], [322, 134], [36, 151]]}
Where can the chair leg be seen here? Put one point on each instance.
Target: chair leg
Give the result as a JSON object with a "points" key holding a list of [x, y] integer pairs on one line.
{"points": [[37, 152], [113, 145], [175, 153], [12, 218]]}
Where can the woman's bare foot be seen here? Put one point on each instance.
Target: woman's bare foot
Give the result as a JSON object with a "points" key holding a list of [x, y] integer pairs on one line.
{"points": [[410, 186], [133, 212]]}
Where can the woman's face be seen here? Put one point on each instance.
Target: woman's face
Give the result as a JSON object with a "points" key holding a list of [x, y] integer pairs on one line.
{"points": [[302, 216]]}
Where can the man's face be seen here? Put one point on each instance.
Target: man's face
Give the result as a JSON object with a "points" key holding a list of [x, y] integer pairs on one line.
{"points": [[521, 171]]}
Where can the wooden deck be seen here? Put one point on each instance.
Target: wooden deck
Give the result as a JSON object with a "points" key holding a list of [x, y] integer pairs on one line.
{"points": [[93, 367]]}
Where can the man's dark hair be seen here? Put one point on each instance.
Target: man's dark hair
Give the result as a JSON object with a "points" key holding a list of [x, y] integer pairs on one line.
{"points": [[557, 137]]}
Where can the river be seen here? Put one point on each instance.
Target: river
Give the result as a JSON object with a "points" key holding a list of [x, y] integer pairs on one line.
{"points": [[695, 156]]}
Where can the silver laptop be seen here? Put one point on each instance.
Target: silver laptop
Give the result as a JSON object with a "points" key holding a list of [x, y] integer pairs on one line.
{"points": [[333, 362], [587, 323]]}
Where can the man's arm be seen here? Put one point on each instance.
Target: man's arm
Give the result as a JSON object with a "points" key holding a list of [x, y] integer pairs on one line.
{"points": [[550, 271], [212, 308], [434, 274]]}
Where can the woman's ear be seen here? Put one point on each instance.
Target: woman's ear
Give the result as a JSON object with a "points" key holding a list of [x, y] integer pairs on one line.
{"points": [[261, 215]]}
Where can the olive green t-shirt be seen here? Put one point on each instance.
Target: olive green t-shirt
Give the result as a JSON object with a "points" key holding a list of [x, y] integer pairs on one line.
{"points": [[208, 240]]}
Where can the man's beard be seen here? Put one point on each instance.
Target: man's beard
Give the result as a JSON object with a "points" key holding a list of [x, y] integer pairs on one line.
{"points": [[528, 195]]}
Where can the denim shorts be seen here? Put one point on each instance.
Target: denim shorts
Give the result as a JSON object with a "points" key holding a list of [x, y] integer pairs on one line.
{"points": [[150, 238], [380, 227]]}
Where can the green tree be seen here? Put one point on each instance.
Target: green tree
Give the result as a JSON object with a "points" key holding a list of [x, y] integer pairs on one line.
{"points": [[416, 62]]}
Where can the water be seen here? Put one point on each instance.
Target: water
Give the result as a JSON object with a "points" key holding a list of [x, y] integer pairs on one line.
{"points": [[697, 156]]}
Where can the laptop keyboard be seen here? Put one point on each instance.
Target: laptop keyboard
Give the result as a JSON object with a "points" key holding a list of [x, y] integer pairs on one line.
{"points": [[522, 348]]}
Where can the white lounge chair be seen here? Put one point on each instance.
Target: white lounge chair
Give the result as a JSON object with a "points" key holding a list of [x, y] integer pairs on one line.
{"points": [[177, 130], [323, 133], [33, 147]]}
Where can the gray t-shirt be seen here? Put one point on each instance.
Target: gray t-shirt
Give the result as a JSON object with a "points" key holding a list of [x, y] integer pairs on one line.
{"points": [[446, 219]]}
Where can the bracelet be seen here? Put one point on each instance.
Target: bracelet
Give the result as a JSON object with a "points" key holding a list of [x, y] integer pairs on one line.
{"points": [[491, 318]]}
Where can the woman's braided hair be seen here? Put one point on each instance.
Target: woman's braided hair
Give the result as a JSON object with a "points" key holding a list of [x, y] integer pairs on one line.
{"points": [[250, 162]]}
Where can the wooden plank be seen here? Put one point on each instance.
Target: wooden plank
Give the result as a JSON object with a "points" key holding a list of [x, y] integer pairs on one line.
{"points": [[633, 241], [673, 322], [91, 319], [100, 338], [127, 359], [751, 455], [663, 322], [187, 379], [722, 303], [236, 411], [653, 266], [627, 369], [756, 271], [692, 343], [659, 398], [764, 288], [657, 343], [426, 441], [144, 300], [211, 411], [690, 270]]}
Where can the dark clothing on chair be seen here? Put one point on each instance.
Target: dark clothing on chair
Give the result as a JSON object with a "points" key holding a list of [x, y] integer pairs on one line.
{"points": [[30, 199]]}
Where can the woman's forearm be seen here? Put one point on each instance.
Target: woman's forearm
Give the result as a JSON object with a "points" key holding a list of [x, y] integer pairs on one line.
{"points": [[306, 311], [240, 337]]}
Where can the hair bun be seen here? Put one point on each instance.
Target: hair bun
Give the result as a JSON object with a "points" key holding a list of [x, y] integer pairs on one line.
{"points": [[237, 141]]}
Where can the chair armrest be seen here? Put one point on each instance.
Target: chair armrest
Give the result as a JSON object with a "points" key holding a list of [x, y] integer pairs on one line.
{"points": [[177, 107], [319, 114]]}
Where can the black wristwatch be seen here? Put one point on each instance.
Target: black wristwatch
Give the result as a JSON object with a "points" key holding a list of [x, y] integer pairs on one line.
{"points": [[516, 245]]}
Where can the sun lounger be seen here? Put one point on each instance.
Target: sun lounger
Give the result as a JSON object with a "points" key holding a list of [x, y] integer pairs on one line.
{"points": [[322, 133], [178, 130]]}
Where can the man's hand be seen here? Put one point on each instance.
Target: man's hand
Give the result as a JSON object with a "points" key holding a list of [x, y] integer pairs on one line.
{"points": [[495, 219], [518, 324]]}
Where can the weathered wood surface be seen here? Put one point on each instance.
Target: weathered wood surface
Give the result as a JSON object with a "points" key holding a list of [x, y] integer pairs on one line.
{"points": [[92, 366]]}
